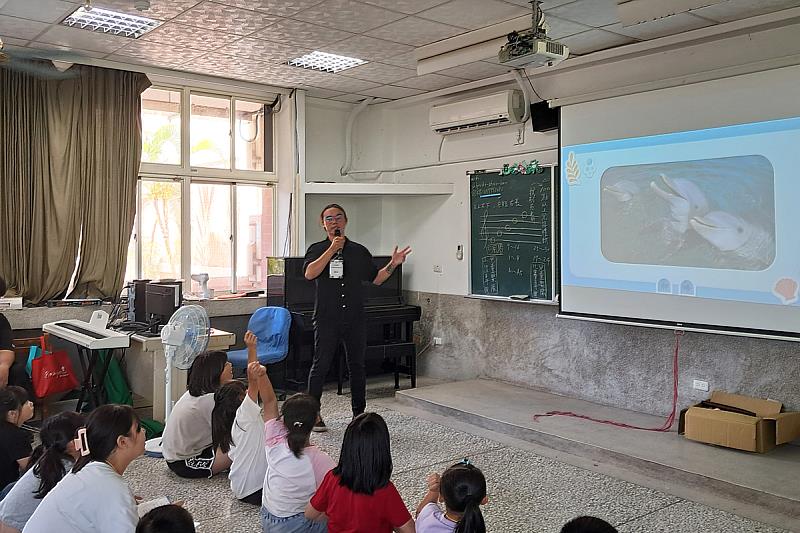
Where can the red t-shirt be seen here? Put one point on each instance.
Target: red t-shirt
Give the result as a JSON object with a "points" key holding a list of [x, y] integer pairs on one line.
{"points": [[349, 512]]}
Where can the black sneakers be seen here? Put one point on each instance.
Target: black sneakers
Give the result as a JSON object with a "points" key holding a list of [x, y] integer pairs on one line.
{"points": [[320, 426]]}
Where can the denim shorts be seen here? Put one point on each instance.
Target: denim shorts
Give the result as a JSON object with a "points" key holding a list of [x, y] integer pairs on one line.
{"points": [[290, 524]]}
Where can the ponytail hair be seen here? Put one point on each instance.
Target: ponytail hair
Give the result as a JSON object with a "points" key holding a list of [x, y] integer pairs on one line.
{"points": [[299, 413], [56, 434], [463, 488], [227, 400], [104, 426]]}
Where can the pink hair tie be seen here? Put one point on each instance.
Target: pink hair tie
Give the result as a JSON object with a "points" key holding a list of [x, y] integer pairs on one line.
{"points": [[82, 443]]}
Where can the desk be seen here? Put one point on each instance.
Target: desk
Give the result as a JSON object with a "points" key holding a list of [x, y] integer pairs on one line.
{"points": [[145, 368]]}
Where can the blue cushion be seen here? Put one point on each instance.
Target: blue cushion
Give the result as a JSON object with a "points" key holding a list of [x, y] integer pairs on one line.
{"points": [[271, 326]]}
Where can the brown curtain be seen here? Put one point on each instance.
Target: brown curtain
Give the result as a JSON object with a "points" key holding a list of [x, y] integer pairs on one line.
{"points": [[69, 161]]}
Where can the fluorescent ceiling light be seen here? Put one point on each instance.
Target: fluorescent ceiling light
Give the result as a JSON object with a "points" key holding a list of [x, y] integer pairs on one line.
{"points": [[106, 21], [326, 62]]}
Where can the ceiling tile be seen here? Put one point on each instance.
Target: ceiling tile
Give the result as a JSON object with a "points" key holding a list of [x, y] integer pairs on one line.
{"points": [[172, 33], [406, 6], [593, 40], [391, 92], [478, 70], [211, 16], [415, 31], [283, 8], [364, 47], [75, 51], [41, 10], [164, 54], [14, 41], [473, 14], [379, 73], [301, 33], [20, 28], [266, 51], [316, 92], [159, 9], [659, 28], [225, 66], [345, 84], [406, 60], [83, 39], [740, 9], [350, 98], [430, 82], [348, 15], [594, 13], [561, 28]]}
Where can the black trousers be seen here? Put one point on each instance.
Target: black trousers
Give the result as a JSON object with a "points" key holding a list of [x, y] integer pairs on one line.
{"points": [[327, 338]]}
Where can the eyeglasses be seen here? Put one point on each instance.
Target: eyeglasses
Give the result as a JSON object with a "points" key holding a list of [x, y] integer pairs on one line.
{"points": [[337, 218]]}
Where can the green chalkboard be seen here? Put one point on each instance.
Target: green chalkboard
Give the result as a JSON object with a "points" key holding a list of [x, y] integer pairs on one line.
{"points": [[512, 234]]}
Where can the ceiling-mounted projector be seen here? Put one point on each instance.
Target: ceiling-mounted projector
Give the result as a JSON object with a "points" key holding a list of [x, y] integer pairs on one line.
{"points": [[531, 49]]}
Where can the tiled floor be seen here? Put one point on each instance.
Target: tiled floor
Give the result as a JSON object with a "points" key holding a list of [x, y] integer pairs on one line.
{"points": [[527, 492]]}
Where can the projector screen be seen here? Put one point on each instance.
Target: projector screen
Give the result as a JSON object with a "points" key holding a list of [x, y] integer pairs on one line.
{"points": [[685, 228]]}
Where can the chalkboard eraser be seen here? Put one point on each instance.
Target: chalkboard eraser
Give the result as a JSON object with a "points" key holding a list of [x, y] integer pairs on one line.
{"points": [[520, 297]]}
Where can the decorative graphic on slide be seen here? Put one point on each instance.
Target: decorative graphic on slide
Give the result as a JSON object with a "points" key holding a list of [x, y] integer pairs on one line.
{"points": [[786, 290], [573, 170], [709, 213]]}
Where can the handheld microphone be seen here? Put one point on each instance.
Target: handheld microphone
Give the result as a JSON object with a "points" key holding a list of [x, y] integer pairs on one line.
{"points": [[337, 233]]}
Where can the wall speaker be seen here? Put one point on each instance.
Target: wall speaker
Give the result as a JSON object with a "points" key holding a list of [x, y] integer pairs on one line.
{"points": [[543, 117]]}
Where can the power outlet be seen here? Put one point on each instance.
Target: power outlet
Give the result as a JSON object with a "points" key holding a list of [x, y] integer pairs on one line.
{"points": [[437, 269], [437, 341], [699, 384]]}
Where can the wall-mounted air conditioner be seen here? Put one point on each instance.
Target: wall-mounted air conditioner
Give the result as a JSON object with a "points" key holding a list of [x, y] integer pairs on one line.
{"points": [[498, 109]]}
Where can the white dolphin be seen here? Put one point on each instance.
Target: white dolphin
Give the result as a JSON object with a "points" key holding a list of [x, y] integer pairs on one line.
{"points": [[685, 200], [731, 233]]}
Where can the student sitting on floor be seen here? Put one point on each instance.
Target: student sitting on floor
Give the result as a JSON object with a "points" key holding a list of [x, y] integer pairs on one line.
{"points": [[166, 519], [463, 489], [187, 443], [94, 496], [357, 496], [237, 427], [295, 468], [49, 463], [15, 442], [588, 524]]}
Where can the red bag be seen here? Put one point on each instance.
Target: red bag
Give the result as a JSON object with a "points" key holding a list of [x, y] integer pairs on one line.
{"points": [[51, 373]]}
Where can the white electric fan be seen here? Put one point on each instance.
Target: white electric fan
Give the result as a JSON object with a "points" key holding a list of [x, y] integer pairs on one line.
{"points": [[184, 337]]}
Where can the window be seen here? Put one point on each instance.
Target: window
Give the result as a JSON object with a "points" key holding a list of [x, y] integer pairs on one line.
{"points": [[211, 235], [160, 229], [161, 126], [254, 236], [210, 132]]}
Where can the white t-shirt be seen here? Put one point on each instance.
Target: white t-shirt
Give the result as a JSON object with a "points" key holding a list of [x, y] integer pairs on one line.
{"points": [[95, 500], [247, 451], [188, 430], [290, 481]]}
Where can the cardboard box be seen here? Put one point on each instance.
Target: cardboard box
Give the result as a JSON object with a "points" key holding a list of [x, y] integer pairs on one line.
{"points": [[12, 302], [740, 422]]}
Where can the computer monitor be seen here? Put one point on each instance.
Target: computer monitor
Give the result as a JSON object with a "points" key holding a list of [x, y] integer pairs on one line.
{"points": [[163, 298]]}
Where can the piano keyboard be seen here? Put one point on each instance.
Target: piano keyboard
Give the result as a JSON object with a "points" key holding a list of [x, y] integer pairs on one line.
{"points": [[83, 334]]}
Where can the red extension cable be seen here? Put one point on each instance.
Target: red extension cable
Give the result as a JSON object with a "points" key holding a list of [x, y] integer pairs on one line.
{"points": [[667, 423]]}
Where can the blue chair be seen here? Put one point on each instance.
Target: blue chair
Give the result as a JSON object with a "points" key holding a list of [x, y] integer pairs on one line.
{"points": [[271, 326]]}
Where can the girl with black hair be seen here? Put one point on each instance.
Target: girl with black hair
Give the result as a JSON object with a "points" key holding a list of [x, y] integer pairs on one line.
{"points": [[588, 524], [295, 468], [15, 442], [187, 443], [94, 497], [166, 519], [49, 463], [357, 496], [237, 425], [462, 487]]}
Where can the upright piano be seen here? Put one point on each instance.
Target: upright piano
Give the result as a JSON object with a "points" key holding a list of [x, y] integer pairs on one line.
{"points": [[390, 321]]}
